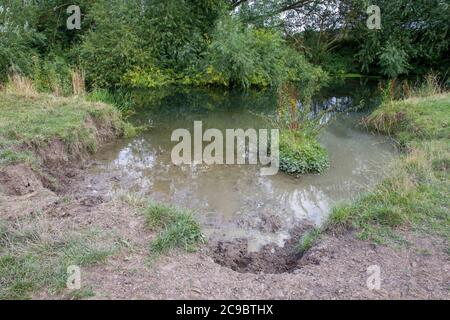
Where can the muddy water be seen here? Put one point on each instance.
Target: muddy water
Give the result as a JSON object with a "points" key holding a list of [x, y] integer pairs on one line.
{"points": [[234, 201]]}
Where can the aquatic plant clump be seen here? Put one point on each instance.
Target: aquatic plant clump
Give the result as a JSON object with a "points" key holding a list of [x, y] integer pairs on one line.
{"points": [[300, 155], [300, 152]]}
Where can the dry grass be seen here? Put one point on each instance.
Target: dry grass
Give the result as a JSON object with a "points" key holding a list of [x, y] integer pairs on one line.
{"points": [[78, 83], [22, 85]]}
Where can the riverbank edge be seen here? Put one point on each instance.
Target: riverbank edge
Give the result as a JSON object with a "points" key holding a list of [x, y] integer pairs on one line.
{"points": [[307, 242], [412, 197]]}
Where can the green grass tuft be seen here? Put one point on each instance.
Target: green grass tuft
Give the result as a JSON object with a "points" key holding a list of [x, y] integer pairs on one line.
{"points": [[177, 229], [308, 240]]}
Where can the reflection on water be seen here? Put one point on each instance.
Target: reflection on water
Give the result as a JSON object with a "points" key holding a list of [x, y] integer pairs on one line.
{"points": [[235, 201]]}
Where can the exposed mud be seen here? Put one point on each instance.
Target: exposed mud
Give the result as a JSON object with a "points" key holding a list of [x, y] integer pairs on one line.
{"points": [[270, 258], [19, 180]]}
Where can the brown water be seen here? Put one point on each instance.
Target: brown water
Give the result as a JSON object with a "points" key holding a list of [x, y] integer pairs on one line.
{"points": [[235, 201]]}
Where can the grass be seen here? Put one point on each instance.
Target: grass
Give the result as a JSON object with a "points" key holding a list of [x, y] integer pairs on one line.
{"points": [[415, 194], [121, 99], [177, 229], [35, 254], [28, 121], [417, 118], [308, 240]]}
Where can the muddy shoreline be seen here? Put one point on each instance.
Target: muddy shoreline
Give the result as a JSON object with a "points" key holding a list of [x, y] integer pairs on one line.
{"points": [[334, 268]]}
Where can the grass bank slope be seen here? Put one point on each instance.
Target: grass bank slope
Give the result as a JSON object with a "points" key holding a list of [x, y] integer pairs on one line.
{"points": [[30, 124], [414, 196]]}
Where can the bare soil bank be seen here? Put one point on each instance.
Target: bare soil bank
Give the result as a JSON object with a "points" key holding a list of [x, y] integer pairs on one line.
{"points": [[335, 268]]}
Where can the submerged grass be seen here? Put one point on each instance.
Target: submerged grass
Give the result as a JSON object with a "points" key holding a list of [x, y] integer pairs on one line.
{"points": [[35, 254], [177, 229], [415, 194]]}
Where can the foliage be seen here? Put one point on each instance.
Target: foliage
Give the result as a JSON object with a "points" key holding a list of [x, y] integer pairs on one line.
{"points": [[412, 34], [256, 56], [177, 228], [300, 155], [237, 55], [393, 61], [300, 152], [176, 31], [113, 48], [52, 74], [18, 39], [246, 55]]}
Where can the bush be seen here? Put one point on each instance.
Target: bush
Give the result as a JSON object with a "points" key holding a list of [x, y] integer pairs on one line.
{"points": [[52, 74], [246, 56], [113, 47]]}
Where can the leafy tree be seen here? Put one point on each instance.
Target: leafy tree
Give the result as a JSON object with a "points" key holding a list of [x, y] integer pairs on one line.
{"points": [[18, 38], [413, 33], [112, 46], [249, 55]]}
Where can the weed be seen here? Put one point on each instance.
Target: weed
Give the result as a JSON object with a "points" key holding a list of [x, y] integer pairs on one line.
{"points": [[78, 83]]}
